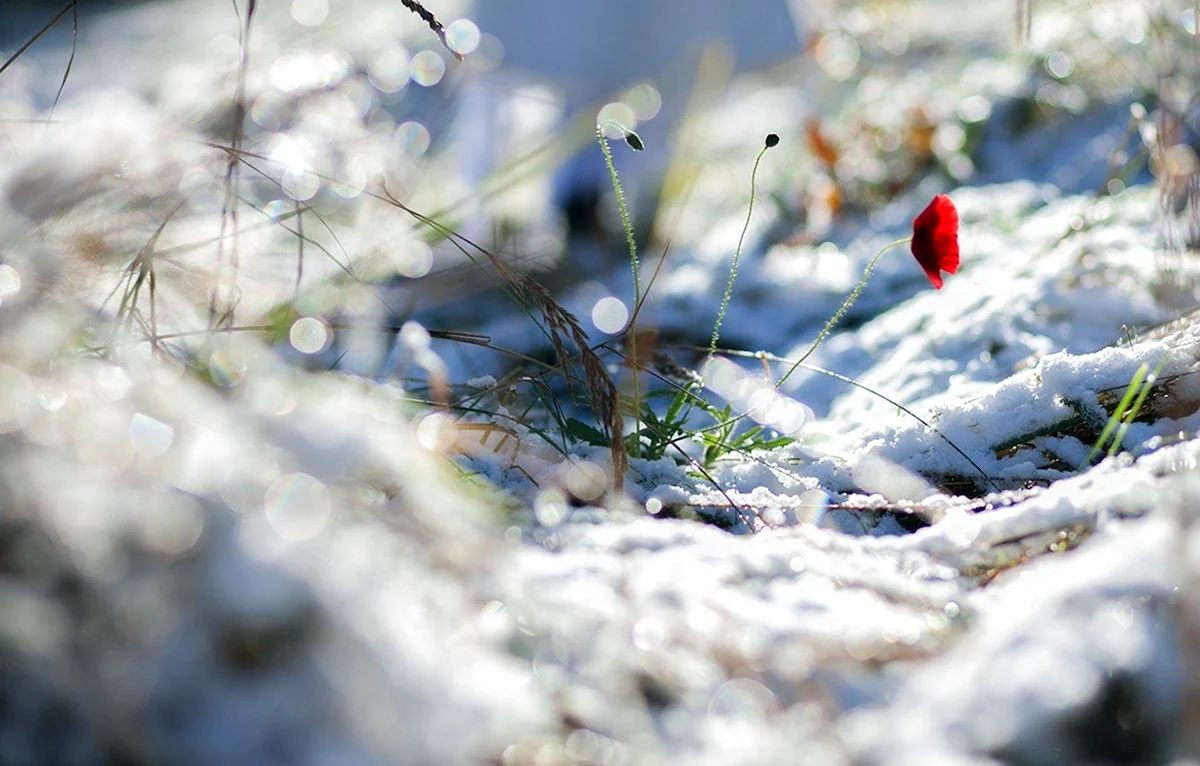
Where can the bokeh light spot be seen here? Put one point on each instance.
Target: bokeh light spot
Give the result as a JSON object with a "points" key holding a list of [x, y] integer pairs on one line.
{"points": [[288, 73], [811, 509], [300, 185], [610, 314], [428, 68], [412, 138], [1060, 65], [488, 55], [789, 415], [310, 13], [1135, 29], [112, 383], [650, 634], [975, 108], [151, 437], [961, 527], [742, 698], [276, 208], [435, 432], [615, 119], [297, 506], [226, 368], [389, 71], [463, 36], [949, 138], [290, 153], [550, 507], [645, 100], [959, 166], [585, 480], [173, 531], [10, 281], [838, 55], [309, 335], [414, 261], [298, 181]]}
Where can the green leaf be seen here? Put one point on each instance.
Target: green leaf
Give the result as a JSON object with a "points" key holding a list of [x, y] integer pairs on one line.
{"points": [[579, 431]]}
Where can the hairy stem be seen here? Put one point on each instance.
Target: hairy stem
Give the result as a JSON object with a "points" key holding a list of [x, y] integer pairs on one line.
{"points": [[737, 254], [631, 331], [841, 312]]}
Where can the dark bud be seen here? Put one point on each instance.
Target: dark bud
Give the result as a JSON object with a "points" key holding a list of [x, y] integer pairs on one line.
{"points": [[772, 140], [634, 141]]}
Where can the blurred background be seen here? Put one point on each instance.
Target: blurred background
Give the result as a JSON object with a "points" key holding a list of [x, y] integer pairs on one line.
{"points": [[872, 100], [298, 465]]}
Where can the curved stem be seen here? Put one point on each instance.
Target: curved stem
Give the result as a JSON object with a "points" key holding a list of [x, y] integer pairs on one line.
{"points": [[841, 312], [737, 254]]}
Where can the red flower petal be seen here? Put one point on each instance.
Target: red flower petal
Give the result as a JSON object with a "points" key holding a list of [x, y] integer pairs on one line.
{"points": [[935, 239]]}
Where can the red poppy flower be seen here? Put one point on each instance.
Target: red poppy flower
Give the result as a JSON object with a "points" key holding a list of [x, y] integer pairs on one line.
{"points": [[935, 239]]}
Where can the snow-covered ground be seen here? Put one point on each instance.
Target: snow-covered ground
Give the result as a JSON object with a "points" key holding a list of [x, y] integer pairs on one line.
{"points": [[274, 543]]}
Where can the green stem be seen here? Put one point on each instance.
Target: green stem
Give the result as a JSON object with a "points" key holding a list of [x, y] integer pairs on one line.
{"points": [[841, 312], [737, 254], [824, 331], [631, 332], [625, 222]]}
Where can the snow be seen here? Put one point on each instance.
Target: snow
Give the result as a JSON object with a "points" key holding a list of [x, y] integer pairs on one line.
{"points": [[277, 544]]}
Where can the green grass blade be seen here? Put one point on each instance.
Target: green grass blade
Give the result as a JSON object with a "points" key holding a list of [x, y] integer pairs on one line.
{"points": [[1133, 411], [1111, 426]]}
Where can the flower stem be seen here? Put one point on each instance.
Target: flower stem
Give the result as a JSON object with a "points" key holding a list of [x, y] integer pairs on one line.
{"points": [[737, 254], [620, 194], [631, 332], [841, 312]]}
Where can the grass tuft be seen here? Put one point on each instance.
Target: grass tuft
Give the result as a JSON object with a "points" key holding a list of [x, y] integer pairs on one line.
{"points": [[1127, 409]]}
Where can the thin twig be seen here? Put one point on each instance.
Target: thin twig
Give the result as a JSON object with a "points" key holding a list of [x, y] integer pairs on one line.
{"points": [[432, 22], [37, 36], [70, 61], [299, 248], [229, 207]]}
